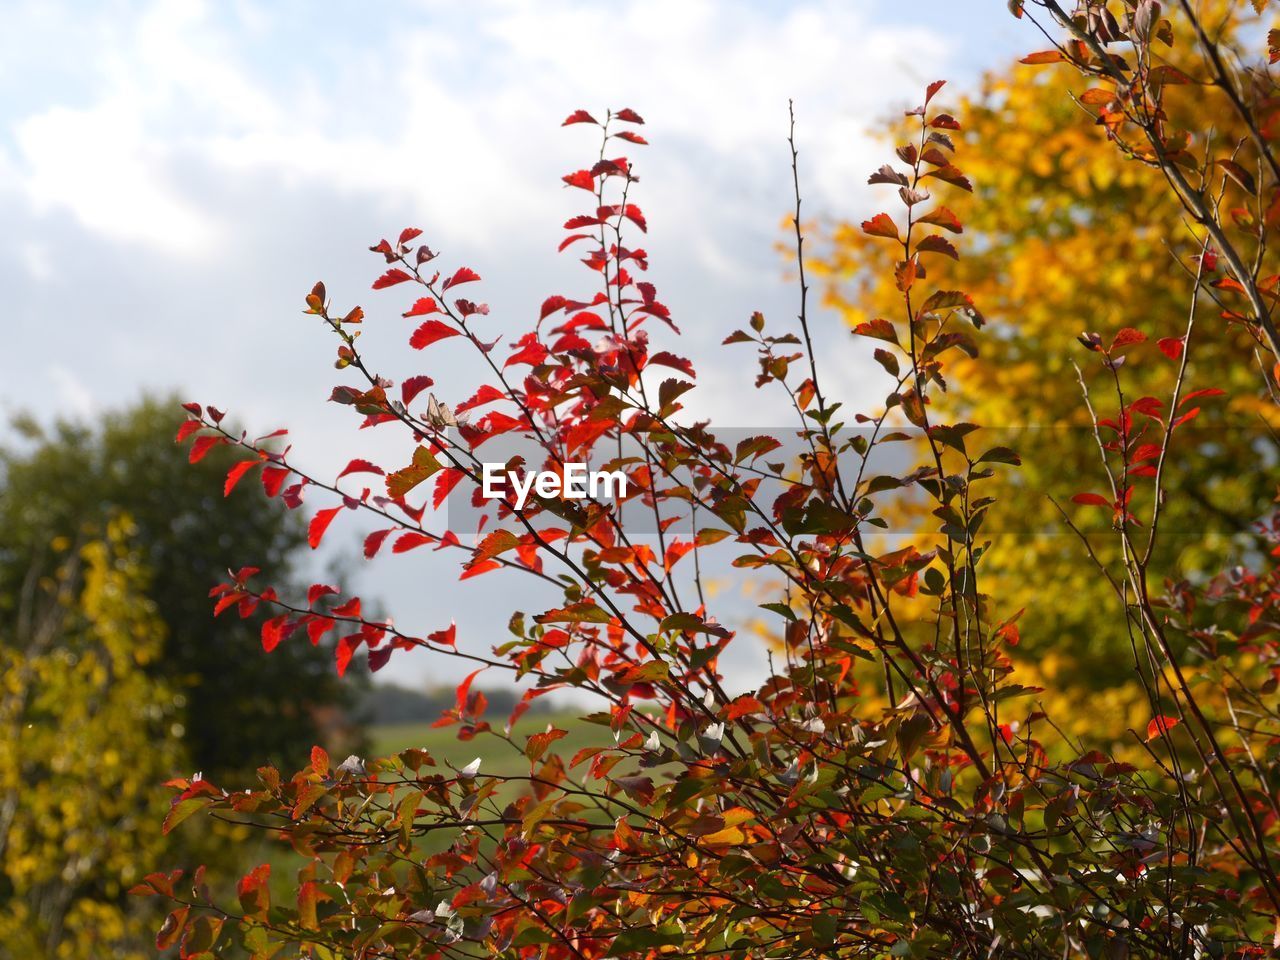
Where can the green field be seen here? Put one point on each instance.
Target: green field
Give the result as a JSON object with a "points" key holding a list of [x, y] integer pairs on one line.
{"points": [[497, 756]]}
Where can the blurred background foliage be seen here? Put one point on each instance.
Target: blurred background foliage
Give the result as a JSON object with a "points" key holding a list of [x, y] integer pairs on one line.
{"points": [[115, 676], [88, 733], [1064, 234], [241, 708]]}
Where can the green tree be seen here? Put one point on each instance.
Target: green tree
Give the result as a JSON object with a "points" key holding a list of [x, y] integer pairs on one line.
{"points": [[86, 738], [242, 706]]}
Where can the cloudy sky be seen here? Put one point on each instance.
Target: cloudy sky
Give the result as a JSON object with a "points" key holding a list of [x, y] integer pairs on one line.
{"points": [[175, 175]]}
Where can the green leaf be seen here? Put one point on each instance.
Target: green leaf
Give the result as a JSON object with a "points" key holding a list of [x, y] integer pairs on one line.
{"points": [[781, 609], [1001, 455]]}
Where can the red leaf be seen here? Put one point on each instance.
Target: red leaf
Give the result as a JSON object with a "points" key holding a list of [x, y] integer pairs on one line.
{"points": [[409, 233], [933, 89], [551, 305], [373, 542], [1207, 392], [273, 479], [391, 278], [317, 627], [632, 213], [422, 307], [202, 446], [1147, 406], [461, 691], [429, 333], [1127, 336], [581, 179], [628, 115], [319, 523], [671, 360], [531, 352], [360, 466], [379, 658], [187, 429], [344, 651], [486, 394], [349, 609], [881, 225], [235, 473], [273, 632], [1148, 451], [449, 478], [579, 116], [448, 637], [475, 569], [414, 386], [318, 590], [464, 275], [1161, 725], [409, 540], [1091, 499], [1171, 347]]}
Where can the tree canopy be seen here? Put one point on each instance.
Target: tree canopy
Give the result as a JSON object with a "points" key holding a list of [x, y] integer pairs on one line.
{"points": [[1065, 233], [66, 481], [87, 736]]}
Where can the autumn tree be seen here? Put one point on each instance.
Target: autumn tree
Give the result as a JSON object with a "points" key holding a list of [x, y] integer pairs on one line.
{"points": [[64, 481], [87, 734], [1065, 233]]}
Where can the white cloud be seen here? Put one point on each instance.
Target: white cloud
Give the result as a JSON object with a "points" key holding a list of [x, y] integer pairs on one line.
{"points": [[99, 165], [174, 92], [186, 171]]}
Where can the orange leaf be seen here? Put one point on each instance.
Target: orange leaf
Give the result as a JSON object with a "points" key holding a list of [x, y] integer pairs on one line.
{"points": [[881, 225], [1161, 725]]}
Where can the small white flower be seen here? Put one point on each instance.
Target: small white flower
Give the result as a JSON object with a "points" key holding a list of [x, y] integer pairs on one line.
{"points": [[353, 766], [652, 744]]}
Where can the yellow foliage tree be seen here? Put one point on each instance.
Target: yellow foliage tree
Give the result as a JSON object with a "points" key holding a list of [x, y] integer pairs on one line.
{"points": [[1072, 236], [86, 740]]}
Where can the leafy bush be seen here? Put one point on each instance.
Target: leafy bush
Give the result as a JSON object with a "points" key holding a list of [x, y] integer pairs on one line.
{"points": [[893, 789]]}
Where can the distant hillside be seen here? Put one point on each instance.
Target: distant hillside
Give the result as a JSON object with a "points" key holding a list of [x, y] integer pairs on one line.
{"points": [[388, 703]]}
